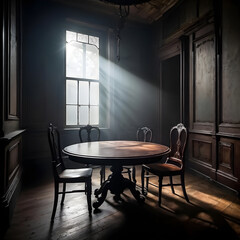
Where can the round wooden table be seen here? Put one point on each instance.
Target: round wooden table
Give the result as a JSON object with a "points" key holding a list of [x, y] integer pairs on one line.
{"points": [[116, 154]]}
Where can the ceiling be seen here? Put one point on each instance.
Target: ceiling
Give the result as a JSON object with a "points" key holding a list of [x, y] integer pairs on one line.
{"points": [[151, 11], [145, 13]]}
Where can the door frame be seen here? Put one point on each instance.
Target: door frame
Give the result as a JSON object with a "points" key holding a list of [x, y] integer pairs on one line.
{"points": [[179, 46]]}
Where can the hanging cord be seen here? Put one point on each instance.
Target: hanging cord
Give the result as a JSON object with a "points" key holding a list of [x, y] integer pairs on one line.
{"points": [[123, 14]]}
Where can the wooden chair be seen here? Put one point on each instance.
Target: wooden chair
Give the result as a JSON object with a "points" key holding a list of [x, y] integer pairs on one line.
{"points": [[92, 133], [173, 166], [63, 175], [143, 134]]}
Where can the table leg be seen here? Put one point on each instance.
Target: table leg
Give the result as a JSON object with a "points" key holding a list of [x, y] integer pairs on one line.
{"points": [[116, 183], [132, 186], [103, 191]]}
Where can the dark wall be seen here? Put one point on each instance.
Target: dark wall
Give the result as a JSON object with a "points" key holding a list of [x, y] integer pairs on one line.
{"points": [[134, 89], [132, 94]]}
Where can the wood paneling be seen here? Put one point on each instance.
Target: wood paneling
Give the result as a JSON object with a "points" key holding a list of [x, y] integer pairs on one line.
{"points": [[214, 94], [10, 137], [228, 122], [13, 159], [229, 114], [202, 80], [202, 91], [11, 172], [202, 150], [230, 63], [13, 48], [202, 153], [228, 165], [204, 6], [225, 152]]}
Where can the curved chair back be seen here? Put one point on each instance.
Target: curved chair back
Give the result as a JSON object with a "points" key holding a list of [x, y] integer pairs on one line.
{"points": [[178, 139], [56, 151], [144, 134], [92, 133]]}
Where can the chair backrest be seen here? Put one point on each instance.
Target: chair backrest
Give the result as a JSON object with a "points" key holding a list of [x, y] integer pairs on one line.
{"points": [[144, 134], [93, 133], [178, 139], [56, 151]]}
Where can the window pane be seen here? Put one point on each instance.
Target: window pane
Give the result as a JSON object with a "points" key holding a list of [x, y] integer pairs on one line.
{"points": [[71, 92], [82, 38], [82, 64], [74, 59], [94, 115], [94, 93], [70, 36], [92, 62], [94, 40], [83, 115], [83, 93], [71, 112]]}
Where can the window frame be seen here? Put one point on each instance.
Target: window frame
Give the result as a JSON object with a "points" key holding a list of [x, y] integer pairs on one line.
{"points": [[103, 35]]}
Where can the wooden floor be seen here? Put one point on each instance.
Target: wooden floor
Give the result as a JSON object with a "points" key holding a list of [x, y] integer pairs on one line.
{"points": [[213, 213]]}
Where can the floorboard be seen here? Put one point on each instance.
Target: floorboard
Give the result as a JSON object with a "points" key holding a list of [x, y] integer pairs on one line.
{"points": [[213, 213]]}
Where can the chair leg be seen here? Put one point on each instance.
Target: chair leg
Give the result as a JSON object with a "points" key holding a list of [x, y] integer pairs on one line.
{"points": [[63, 195], [183, 187], [160, 191], [87, 166], [134, 174], [171, 183], [129, 174], [147, 181], [56, 188], [103, 174], [142, 178], [89, 193]]}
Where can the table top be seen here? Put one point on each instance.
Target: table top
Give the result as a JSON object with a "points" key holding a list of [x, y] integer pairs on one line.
{"points": [[116, 152]]}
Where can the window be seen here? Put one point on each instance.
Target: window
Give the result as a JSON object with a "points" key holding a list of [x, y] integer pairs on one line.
{"points": [[82, 79]]}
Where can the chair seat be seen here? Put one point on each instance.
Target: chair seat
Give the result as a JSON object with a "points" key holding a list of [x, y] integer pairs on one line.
{"points": [[173, 166], [163, 169], [72, 175]]}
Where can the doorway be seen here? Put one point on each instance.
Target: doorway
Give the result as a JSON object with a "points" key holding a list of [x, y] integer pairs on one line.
{"points": [[170, 96]]}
